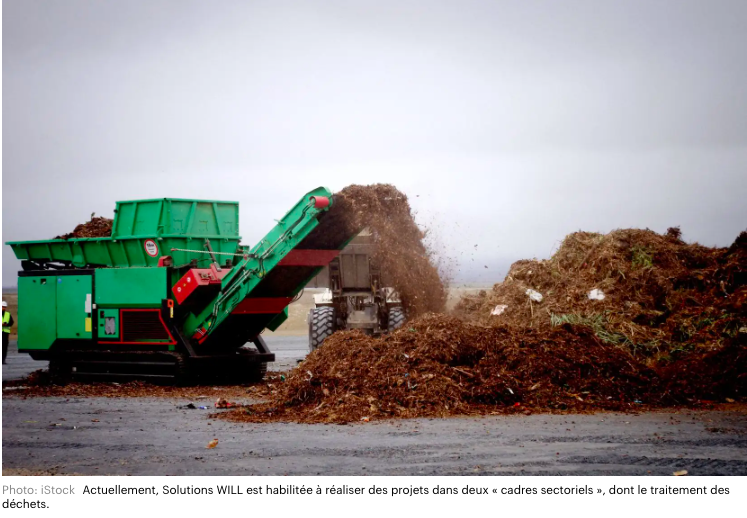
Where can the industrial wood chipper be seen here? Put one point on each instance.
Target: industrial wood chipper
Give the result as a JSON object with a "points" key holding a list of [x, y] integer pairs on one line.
{"points": [[171, 293]]}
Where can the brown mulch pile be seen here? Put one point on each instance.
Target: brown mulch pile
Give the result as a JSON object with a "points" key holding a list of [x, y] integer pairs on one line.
{"points": [[97, 227], [400, 250], [439, 366], [670, 330], [664, 299]]}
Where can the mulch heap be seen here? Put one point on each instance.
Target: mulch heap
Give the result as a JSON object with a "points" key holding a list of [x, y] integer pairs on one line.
{"points": [[663, 299], [438, 366], [666, 326], [96, 227], [400, 249]]}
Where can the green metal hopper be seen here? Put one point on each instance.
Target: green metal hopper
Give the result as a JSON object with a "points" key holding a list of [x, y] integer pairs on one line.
{"points": [[144, 230]]}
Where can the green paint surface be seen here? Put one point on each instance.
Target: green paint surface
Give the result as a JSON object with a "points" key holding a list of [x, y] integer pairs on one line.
{"points": [[143, 231], [130, 287], [37, 308], [72, 309]]}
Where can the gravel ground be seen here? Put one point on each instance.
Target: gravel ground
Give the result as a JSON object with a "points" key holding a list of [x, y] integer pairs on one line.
{"points": [[154, 436]]}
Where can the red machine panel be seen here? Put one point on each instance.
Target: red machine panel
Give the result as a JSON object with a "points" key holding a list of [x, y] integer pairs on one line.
{"points": [[195, 278]]}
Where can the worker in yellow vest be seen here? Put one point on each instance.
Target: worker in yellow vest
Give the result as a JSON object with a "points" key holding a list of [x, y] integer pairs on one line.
{"points": [[7, 323]]}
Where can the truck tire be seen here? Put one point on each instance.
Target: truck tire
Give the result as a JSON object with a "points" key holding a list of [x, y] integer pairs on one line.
{"points": [[321, 325], [396, 319]]}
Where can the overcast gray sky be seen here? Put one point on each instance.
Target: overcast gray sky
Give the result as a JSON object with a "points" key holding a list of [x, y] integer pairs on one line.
{"points": [[508, 123]]}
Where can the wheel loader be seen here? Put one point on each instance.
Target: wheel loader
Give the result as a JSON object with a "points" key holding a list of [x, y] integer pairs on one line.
{"points": [[356, 295]]}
